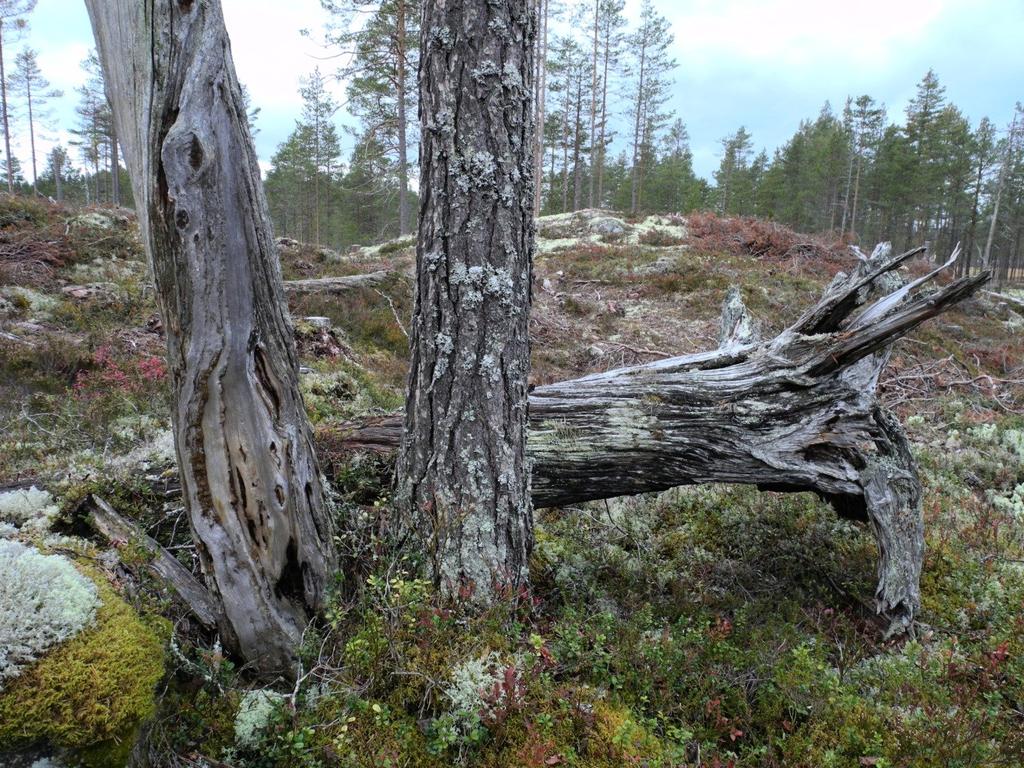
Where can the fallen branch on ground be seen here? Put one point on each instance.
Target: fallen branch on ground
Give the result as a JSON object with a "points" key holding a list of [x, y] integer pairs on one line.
{"points": [[118, 528], [335, 285]]}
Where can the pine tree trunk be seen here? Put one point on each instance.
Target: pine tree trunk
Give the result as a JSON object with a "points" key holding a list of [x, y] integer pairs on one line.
{"points": [[856, 197], [316, 176], [577, 147], [593, 102], [986, 259], [567, 104], [58, 180], [115, 169], [3, 107], [972, 228], [250, 478], [463, 481], [403, 142], [540, 88], [604, 118], [32, 136], [634, 186]]}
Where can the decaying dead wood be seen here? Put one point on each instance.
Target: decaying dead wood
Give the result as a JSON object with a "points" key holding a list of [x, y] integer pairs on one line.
{"points": [[1017, 305], [251, 483], [798, 412], [335, 285], [116, 527]]}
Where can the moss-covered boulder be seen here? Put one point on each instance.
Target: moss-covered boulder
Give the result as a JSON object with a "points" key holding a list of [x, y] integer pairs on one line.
{"points": [[91, 693]]}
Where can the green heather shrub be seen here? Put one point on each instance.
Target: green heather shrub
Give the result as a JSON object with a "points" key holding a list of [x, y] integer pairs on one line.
{"points": [[17, 210], [92, 691]]}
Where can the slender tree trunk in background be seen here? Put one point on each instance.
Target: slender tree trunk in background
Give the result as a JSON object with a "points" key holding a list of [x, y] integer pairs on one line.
{"points": [[566, 106], [463, 481], [986, 259], [115, 170], [540, 86], [972, 228], [856, 197], [593, 103], [96, 158], [316, 176], [634, 176], [577, 147], [403, 142], [58, 180], [32, 135], [849, 187], [604, 118], [250, 479], [7, 122], [551, 173]]}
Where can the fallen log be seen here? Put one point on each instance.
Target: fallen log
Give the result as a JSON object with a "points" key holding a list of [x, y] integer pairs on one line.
{"points": [[335, 285], [1017, 305], [192, 592], [795, 413]]}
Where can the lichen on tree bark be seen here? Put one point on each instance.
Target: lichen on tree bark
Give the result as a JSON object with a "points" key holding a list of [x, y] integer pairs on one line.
{"points": [[462, 474]]}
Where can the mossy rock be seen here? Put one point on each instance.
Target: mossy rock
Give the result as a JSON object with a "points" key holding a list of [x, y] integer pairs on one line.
{"points": [[90, 694]]}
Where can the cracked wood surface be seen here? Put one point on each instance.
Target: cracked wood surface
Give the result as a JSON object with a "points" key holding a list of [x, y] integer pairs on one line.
{"points": [[794, 413], [250, 479]]}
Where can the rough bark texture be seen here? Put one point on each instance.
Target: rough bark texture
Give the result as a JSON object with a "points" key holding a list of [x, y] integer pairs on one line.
{"points": [[250, 478], [796, 413], [462, 475]]}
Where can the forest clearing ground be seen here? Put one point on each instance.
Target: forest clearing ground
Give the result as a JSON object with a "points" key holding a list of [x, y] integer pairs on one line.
{"points": [[715, 621]]}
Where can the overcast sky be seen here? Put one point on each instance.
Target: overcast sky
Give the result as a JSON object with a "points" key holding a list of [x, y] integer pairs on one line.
{"points": [[764, 64]]}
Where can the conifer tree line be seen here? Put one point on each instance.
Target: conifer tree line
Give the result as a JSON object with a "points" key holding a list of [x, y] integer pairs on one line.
{"points": [[932, 177], [606, 136], [90, 170]]}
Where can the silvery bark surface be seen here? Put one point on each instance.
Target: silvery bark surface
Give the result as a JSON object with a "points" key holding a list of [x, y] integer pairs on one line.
{"points": [[250, 478], [795, 413], [462, 474]]}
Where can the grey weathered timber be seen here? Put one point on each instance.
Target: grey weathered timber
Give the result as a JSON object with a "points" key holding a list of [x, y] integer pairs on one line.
{"points": [[249, 475], [795, 413], [463, 481], [162, 564], [335, 285]]}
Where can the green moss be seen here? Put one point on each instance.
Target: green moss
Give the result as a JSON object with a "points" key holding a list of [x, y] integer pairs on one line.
{"points": [[93, 691]]}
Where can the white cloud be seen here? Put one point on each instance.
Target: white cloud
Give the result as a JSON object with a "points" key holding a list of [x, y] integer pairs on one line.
{"points": [[270, 53], [797, 37]]}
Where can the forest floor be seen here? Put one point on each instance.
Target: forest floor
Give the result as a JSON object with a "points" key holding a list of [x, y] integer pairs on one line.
{"points": [[710, 626]]}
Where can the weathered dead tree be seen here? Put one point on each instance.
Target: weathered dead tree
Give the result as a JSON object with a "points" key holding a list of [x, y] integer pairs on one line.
{"points": [[250, 479], [796, 413]]}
